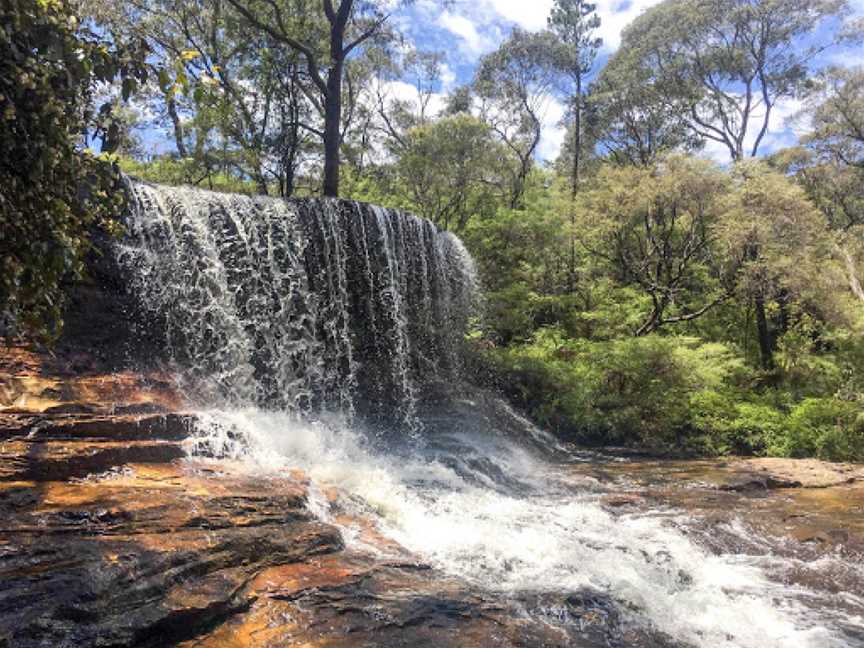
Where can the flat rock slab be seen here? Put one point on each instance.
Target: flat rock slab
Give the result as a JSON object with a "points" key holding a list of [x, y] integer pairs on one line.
{"points": [[147, 555], [52, 448], [800, 473], [354, 600], [723, 474]]}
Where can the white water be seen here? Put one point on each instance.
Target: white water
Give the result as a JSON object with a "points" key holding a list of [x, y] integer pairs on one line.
{"points": [[297, 305], [533, 533]]}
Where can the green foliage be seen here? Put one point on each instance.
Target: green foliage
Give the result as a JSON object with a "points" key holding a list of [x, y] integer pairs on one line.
{"points": [[806, 371], [685, 230], [51, 192], [631, 390], [670, 393], [827, 428], [838, 117], [784, 244], [170, 170], [451, 169], [704, 62], [523, 245], [725, 423], [655, 228]]}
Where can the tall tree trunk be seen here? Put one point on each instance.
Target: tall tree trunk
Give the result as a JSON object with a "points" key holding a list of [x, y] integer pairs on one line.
{"points": [[261, 184], [333, 128], [577, 134], [766, 345], [178, 128], [577, 159], [333, 98], [851, 272]]}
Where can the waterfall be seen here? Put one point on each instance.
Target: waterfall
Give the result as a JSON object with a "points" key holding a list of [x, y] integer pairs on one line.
{"points": [[287, 318], [302, 305]]}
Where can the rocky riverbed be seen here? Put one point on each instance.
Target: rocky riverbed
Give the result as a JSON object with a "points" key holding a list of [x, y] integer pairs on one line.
{"points": [[112, 536]]}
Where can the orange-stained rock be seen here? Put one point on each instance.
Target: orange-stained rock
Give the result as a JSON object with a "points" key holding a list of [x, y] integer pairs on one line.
{"points": [[353, 599], [39, 382], [144, 555], [813, 502], [110, 536]]}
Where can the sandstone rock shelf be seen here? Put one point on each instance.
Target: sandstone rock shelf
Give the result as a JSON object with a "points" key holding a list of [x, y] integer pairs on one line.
{"points": [[169, 552]]}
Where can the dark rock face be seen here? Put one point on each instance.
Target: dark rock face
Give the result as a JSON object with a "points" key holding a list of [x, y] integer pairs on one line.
{"points": [[133, 559], [350, 600], [298, 305]]}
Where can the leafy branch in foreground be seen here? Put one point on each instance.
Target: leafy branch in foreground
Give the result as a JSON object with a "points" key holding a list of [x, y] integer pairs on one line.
{"points": [[51, 192]]}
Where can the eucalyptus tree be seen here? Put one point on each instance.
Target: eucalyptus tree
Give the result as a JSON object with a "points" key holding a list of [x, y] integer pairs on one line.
{"points": [[326, 35], [723, 65], [514, 85], [450, 168], [403, 86], [232, 100], [634, 122], [575, 22], [838, 117], [656, 227], [783, 247], [831, 166]]}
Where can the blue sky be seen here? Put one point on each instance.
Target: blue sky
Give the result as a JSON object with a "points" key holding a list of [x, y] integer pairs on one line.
{"points": [[467, 29]]}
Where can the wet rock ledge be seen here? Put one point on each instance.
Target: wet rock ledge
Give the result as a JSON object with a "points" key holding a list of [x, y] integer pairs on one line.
{"points": [[110, 537]]}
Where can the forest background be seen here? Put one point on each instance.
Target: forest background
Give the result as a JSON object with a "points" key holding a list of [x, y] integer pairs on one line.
{"points": [[669, 227]]}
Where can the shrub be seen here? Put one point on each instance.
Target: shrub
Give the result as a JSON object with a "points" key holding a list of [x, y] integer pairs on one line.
{"points": [[722, 424], [631, 390], [51, 192], [827, 428], [674, 393]]}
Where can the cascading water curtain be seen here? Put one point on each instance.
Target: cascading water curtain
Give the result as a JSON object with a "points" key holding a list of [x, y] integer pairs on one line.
{"points": [[304, 306]]}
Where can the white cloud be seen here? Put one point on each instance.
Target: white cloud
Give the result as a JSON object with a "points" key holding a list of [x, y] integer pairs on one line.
{"points": [[615, 15], [783, 130], [402, 91], [527, 14], [448, 77], [473, 43], [553, 133]]}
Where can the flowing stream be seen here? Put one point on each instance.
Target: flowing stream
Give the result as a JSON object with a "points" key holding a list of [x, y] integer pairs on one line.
{"points": [[324, 335]]}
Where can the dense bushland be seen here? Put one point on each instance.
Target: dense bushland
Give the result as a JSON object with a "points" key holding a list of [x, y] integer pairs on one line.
{"points": [[677, 393]]}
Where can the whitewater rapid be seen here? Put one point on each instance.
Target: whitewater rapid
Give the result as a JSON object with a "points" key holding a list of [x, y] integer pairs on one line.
{"points": [[492, 512]]}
